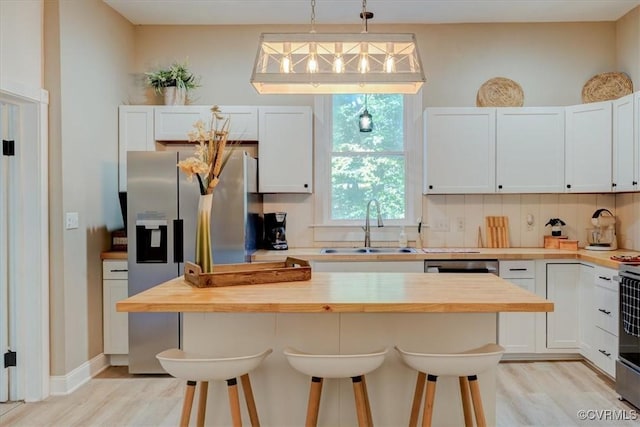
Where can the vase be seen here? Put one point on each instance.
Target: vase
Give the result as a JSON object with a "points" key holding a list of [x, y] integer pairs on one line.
{"points": [[204, 256], [174, 96]]}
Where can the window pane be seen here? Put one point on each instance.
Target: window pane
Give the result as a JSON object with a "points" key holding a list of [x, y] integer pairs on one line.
{"points": [[357, 179], [388, 130]]}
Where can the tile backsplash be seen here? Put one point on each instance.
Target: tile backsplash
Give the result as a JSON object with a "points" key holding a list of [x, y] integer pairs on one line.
{"points": [[453, 220]]}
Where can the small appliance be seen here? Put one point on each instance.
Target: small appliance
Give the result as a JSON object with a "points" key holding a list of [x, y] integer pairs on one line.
{"points": [[275, 225], [602, 236]]}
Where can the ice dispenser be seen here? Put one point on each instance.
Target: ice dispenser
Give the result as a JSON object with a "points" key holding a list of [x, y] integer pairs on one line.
{"points": [[151, 241]]}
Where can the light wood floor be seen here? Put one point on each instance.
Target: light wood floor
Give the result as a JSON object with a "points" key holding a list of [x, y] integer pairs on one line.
{"points": [[529, 394]]}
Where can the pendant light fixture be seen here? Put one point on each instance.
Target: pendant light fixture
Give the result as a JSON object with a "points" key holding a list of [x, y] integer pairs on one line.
{"points": [[324, 63], [365, 121]]}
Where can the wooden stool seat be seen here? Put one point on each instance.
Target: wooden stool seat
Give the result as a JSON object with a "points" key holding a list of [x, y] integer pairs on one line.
{"points": [[196, 368], [465, 365], [321, 366]]}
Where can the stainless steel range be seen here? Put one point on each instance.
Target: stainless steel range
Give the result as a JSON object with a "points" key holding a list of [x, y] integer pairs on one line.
{"points": [[628, 363]]}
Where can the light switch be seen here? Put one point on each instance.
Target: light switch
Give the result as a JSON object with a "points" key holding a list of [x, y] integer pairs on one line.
{"points": [[72, 220]]}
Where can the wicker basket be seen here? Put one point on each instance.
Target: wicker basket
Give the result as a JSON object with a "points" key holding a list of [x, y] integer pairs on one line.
{"points": [[606, 86], [500, 92]]}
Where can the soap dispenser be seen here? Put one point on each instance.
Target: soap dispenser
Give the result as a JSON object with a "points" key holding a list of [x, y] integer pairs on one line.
{"points": [[402, 240]]}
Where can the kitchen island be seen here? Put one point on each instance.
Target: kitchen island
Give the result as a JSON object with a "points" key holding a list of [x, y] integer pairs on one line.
{"points": [[342, 313]]}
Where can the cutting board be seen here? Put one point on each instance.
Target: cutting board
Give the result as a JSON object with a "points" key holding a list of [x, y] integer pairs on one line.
{"points": [[497, 231]]}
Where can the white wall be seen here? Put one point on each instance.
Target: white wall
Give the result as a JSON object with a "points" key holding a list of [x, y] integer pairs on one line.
{"points": [[91, 51], [628, 45]]}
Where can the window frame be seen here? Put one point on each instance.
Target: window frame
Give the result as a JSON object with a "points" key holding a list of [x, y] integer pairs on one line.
{"points": [[322, 166]]}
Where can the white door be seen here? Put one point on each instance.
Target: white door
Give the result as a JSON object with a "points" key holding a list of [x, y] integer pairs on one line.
{"points": [[8, 131]]}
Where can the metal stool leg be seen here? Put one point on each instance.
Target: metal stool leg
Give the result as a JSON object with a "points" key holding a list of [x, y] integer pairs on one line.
{"points": [[188, 403], [361, 406], [251, 403], [466, 401], [428, 400], [314, 402], [477, 400], [234, 402], [202, 403], [417, 399]]}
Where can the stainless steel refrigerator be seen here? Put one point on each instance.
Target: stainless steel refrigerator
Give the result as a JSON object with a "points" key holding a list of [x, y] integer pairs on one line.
{"points": [[161, 225]]}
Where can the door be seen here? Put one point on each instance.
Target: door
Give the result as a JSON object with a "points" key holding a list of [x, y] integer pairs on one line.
{"points": [[8, 132]]}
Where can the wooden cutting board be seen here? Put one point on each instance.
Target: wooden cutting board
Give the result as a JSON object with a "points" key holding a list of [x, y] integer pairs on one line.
{"points": [[497, 231]]}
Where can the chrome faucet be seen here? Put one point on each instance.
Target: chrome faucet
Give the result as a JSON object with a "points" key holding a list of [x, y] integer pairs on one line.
{"points": [[367, 227]]}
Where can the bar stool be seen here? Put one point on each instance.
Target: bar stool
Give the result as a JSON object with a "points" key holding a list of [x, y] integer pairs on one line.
{"points": [[321, 366], [194, 367], [465, 366]]}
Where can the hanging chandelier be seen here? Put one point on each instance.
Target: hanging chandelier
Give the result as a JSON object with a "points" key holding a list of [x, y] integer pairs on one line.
{"points": [[324, 63]]}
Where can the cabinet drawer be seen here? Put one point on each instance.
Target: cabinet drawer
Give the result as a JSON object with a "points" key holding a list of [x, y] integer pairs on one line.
{"points": [[115, 269], [606, 309], [605, 351], [517, 269], [604, 278]]}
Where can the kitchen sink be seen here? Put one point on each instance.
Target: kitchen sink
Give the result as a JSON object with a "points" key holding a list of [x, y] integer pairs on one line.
{"points": [[352, 251]]}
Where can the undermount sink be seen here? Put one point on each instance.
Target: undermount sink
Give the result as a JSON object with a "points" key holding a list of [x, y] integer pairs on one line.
{"points": [[364, 251]]}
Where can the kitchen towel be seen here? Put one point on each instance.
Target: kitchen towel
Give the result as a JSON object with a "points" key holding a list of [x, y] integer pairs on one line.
{"points": [[630, 305]]}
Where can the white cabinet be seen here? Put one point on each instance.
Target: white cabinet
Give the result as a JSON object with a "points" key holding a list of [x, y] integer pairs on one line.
{"points": [[625, 146], [285, 149], [115, 324], [173, 123], [562, 290], [460, 150], [586, 302], [135, 133], [530, 150], [370, 266], [588, 147], [605, 320], [517, 331]]}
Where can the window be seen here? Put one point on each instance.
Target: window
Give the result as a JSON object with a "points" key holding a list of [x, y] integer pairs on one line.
{"points": [[353, 167]]}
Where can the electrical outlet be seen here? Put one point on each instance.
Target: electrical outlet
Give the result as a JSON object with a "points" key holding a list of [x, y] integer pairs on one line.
{"points": [[72, 220], [460, 224]]}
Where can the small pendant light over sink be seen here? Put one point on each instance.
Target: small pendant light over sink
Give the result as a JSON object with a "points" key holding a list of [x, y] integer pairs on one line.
{"points": [[313, 63], [365, 121]]}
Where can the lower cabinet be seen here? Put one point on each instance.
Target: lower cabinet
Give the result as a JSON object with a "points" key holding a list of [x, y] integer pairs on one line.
{"points": [[517, 331], [115, 324], [370, 266], [604, 324], [562, 288]]}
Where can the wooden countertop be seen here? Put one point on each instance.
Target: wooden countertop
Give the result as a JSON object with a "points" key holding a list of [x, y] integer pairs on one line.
{"points": [[346, 293]]}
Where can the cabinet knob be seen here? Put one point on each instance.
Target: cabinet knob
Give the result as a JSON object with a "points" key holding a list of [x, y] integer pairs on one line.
{"points": [[431, 187], [613, 184], [634, 183], [608, 313], [500, 187], [568, 185], [306, 186]]}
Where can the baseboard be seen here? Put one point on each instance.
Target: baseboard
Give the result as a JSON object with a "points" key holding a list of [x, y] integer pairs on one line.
{"points": [[66, 384]]}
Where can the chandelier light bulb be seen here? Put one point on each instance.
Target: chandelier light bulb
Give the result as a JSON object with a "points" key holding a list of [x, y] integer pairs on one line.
{"points": [[312, 62], [390, 61], [338, 60], [363, 61], [285, 62]]}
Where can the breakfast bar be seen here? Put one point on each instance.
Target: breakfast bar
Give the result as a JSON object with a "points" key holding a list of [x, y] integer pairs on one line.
{"points": [[342, 313]]}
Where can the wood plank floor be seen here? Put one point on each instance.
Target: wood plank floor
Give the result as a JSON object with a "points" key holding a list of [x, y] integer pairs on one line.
{"points": [[529, 394]]}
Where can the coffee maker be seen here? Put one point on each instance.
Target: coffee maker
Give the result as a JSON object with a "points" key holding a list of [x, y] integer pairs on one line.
{"points": [[602, 237], [275, 224]]}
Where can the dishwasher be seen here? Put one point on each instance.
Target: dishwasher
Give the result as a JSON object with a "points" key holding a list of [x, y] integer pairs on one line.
{"points": [[461, 266]]}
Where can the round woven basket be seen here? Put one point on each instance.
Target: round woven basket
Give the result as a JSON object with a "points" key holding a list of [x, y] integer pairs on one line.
{"points": [[606, 86], [500, 92]]}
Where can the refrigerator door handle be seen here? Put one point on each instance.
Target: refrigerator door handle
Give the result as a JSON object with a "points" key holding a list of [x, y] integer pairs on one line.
{"points": [[178, 240]]}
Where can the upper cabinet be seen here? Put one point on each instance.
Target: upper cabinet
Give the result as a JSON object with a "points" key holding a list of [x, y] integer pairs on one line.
{"points": [[530, 150], [173, 123], [135, 133], [460, 146], [625, 146], [588, 147], [285, 150]]}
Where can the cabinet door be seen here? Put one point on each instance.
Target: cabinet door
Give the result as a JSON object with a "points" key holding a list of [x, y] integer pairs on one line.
{"points": [[530, 150], [625, 149], [586, 303], [243, 121], [588, 147], [173, 123], [562, 290], [517, 331], [460, 150], [285, 149], [116, 325], [135, 133]]}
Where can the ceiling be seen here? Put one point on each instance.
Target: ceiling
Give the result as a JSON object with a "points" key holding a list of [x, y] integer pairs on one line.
{"points": [[233, 12]]}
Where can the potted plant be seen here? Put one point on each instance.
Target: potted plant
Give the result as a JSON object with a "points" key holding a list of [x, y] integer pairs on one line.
{"points": [[173, 82], [556, 224]]}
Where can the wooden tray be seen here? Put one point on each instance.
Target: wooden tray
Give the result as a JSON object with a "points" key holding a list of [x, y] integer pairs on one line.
{"points": [[291, 270]]}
